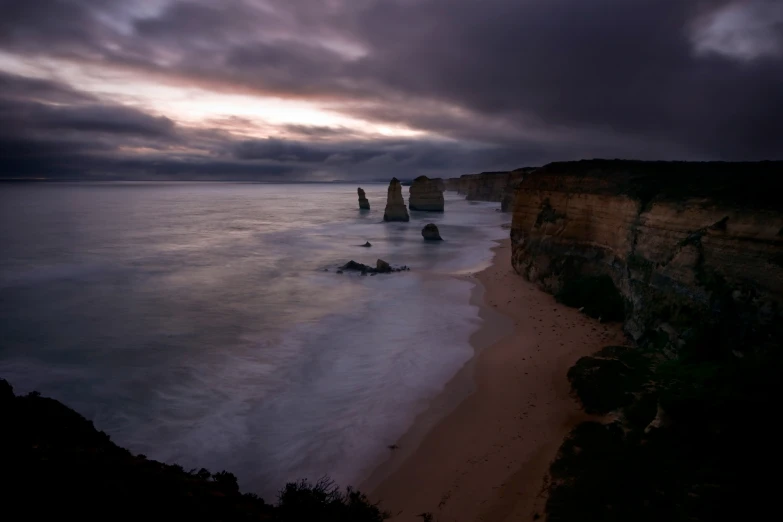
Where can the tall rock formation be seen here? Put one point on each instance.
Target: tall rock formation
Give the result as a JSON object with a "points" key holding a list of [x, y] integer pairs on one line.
{"points": [[364, 204], [426, 194], [688, 246], [395, 205]]}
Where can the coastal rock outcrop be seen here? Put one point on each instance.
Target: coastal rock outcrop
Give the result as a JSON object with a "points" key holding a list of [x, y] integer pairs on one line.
{"points": [[364, 203], [430, 232], [395, 205], [679, 244], [381, 267], [426, 194], [489, 186]]}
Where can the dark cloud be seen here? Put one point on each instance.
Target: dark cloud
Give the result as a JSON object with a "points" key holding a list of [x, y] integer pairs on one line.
{"points": [[506, 83], [89, 138]]}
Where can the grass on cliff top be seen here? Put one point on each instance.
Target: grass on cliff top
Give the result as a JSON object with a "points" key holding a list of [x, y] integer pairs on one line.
{"points": [[57, 465]]}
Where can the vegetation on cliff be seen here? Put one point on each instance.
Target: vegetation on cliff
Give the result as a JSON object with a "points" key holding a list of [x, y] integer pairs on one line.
{"points": [[706, 461], [686, 438], [56, 464], [686, 254]]}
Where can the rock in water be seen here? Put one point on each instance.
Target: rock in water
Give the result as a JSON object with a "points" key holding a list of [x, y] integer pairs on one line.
{"points": [[430, 232], [367, 244], [364, 204], [426, 194], [382, 266], [395, 205], [353, 265]]}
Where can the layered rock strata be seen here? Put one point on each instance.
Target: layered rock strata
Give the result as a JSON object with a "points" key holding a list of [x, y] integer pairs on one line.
{"points": [[395, 204], [488, 186], [684, 244], [426, 194]]}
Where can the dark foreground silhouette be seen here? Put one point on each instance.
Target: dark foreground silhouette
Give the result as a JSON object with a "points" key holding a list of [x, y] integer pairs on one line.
{"points": [[56, 465]]}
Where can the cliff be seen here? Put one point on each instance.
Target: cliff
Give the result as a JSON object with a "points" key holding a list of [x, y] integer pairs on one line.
{"points": [[426, 194], [681, 242], [487, 186], [690, 256]]}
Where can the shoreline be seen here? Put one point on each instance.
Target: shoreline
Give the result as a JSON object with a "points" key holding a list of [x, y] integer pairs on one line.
{"points": [[483, 454]]}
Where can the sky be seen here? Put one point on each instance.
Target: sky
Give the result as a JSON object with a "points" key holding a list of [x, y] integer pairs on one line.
{"points": [[281, 90]]}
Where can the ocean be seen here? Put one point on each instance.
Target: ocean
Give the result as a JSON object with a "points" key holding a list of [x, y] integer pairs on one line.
{"points": [[205, 323]]}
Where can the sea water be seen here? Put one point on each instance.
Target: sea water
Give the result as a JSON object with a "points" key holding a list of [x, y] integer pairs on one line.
{"points": [[205, 323]]}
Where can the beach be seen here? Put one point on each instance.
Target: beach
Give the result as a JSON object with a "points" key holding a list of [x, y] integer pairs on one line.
{"points": [[488, 457]]}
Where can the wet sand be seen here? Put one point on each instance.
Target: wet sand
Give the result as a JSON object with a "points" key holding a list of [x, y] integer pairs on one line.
{"points": [[487, 459]]}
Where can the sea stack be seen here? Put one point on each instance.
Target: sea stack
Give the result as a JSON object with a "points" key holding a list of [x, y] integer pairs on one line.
{"points": [[426, 194], [364, 204], [395, 205]]}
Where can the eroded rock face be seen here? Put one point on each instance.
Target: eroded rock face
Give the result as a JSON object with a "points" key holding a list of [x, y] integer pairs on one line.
{"points": [[395, 205], [426, 194], [507, 197], [686, 244], [364, 204], [430, 232], [487, 186]]}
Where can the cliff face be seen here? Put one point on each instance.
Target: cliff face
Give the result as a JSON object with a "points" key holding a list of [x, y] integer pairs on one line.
{"points": [[686, 245], [487, 186], [426, 194]]}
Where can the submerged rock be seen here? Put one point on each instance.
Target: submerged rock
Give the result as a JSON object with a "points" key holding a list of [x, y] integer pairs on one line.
{"points": [[430, 232], [364, 203], [395, 205], [426, 194]]}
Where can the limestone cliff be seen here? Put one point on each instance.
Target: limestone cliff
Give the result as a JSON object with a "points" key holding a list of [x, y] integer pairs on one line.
{"points": [[487, 186], [395, 205], [426, 194], [686, 244]]}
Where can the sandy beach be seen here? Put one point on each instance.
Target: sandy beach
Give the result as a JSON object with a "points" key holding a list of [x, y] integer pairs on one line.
{"points": [[487, 459]]}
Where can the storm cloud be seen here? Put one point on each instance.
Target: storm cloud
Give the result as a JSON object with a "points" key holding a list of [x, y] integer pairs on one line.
{"points": [[403, 87]]}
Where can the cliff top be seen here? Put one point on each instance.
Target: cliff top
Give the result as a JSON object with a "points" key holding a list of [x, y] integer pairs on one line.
{"points": [[741, 183]]}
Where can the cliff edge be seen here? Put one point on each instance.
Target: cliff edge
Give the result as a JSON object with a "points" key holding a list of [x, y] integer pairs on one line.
{"points": [[488, 186], [690, 257], [681, 242]]}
